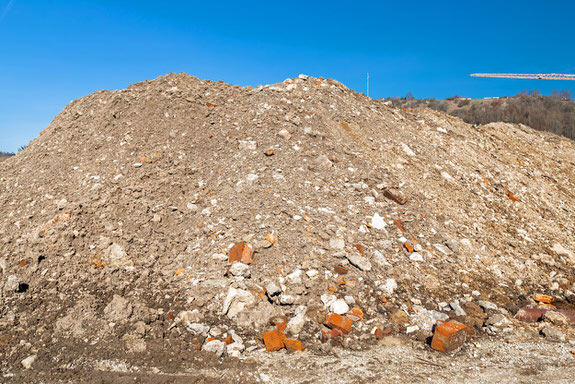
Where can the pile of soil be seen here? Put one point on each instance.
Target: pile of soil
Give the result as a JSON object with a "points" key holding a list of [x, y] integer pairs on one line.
{"points": [[117, 222]]}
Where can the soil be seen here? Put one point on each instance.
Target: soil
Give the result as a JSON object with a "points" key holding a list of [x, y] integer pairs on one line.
{"points": [[116, 224]]}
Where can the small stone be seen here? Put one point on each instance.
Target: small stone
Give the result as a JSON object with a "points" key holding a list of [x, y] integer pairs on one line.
{"points": [[296, 323], [377, 222], [359, 261], [285, 134], [27, 362], [272, 289], [327, 299], [553, 333], [388, 287], [295, 277], [415, 256], [453, 245], [457, 308], [312, 273], [498, 320], [349, 300], [337, 243], [556, 318], [411, 329], [287, 299], [192, 207], [339, 306], [487, 305], [240, 269], [215, 346]]}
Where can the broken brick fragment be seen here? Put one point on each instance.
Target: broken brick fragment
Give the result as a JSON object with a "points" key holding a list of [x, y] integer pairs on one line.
{"points": [[395, 195], [379, 333], [513, 197], [340, 322], [532, 315], [229, 340], [280, 322], [449, 336], [269, 152], [340, 270], [408, 246], [274, 340], [359, 248], [399, 225], [241, 252], [357, 312], [293, 345], [543, 298], [210, 105]]}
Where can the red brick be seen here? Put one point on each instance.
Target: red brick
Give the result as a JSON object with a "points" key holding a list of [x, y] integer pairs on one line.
{"points": [[240, 252], [340, 270], [293, 345], [338, 321], [280, 322], [274, 340], [395, 195], [356, 312], [449, 336], [409, 247]]}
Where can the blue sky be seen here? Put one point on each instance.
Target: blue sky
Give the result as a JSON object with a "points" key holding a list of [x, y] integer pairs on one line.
{"points": [[52, 52]]}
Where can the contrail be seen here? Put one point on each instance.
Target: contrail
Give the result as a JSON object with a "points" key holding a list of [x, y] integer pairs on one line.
{"points": [[6, 10]]}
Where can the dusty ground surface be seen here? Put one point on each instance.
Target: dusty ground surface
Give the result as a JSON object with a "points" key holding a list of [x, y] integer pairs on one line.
{"points": [[117, 221]]}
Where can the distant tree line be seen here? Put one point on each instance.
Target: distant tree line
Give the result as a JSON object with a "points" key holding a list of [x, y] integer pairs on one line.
{"points": [[6, 154], [554, 113]]}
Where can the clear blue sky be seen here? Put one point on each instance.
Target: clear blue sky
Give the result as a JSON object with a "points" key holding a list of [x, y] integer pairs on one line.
{"points": [[52, 52]]}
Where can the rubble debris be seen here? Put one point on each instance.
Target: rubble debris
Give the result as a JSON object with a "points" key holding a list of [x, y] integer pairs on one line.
{"points": [[395, 195], [450, 336], [274, 340], [532, 315], [96, 250]]}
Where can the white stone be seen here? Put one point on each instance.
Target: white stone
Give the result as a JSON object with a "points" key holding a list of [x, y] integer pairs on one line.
{"points": [[240, 269], [337, 243], [286, 299], [296, 323], [415, 256], [295, 277], [349, 300], [388, 287], [215, 346], [27, 362], [312, 273], [407, 150], [377, 222], [359, 262], [235, 302], [272, 289], [411, 329], [327, 299], [339, 306]]}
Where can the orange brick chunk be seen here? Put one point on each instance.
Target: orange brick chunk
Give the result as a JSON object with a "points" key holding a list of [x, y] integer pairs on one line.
{"points": [[240, 252], [293, 345], [338, 321], [449, 336], [274, 340]]}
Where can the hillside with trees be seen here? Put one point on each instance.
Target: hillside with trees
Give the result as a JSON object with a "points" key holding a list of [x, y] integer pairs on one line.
{"points": [[554, 113]]}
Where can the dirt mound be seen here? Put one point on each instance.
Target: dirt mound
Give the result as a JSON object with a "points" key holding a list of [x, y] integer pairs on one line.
{"points": [[118, 220]]}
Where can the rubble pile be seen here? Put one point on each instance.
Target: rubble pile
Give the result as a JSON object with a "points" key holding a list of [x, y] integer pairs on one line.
{"points": [[299, 216]]}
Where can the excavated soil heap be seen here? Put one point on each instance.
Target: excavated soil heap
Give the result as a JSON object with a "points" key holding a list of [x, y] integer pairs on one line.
{"points": [[117, 222]]}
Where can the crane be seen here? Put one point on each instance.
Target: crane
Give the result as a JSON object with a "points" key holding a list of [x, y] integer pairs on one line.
{"points": [[540, 76]]}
